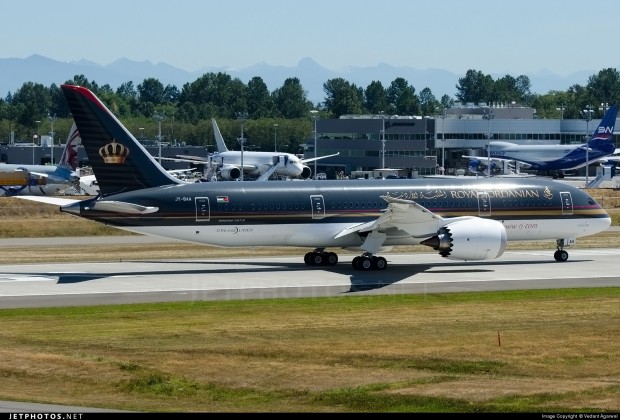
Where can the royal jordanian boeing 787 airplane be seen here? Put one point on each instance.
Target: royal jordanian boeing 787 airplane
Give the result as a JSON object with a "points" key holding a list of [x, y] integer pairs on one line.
{"points": [[461, 218]]}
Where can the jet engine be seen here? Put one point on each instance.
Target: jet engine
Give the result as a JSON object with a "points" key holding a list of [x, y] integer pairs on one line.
{"points": [[481, 167], [472, 239], [305, 174], [230, 173]]}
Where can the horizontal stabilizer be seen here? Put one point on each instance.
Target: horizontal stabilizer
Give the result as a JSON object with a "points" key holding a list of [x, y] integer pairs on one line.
{"points": [[122, 207], [57, 201]]}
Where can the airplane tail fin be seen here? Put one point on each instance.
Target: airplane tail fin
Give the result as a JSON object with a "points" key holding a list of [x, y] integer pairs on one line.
{"points": [[219, 140], [120, 163], [69, 154], [603, 136]]}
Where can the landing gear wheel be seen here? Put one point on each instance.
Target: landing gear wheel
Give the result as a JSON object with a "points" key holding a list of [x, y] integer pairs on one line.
{"points": [[313, 258], [379, 263], [355, 262], [330, 258], [560, 255], [364, 263]]}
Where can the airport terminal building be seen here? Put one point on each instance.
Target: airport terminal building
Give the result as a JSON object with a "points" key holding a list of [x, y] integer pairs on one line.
{"points": [[420, 146]]}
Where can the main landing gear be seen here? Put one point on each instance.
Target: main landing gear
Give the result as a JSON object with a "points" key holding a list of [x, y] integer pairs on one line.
{"points": [[368, 262], [365, 262], [320, 257]]}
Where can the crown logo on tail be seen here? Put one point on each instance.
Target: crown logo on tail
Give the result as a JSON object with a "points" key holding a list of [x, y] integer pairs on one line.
{"points": [[113, 152]]}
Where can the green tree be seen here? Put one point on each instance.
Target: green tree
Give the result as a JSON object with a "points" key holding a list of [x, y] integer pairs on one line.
{"points": [[604, 87], [402, 97], [342, 97], [429, 105], [376, 99], [260, 101], [34, 101], [291, 99], [475, 87]]}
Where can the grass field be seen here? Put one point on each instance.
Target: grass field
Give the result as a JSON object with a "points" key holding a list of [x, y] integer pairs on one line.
{"points": [[520, 351]]}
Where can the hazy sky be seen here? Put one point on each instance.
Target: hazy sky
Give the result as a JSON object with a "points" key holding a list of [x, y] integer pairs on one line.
{"points": [[493, 36]]}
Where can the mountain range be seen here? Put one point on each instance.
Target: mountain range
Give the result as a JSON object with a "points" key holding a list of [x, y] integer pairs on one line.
{"points": [[46, 71]]}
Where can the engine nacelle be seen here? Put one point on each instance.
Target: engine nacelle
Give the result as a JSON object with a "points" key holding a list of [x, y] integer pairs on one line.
{"points": [[481, 167], [306, 172], [230, 173], [472, 239]]}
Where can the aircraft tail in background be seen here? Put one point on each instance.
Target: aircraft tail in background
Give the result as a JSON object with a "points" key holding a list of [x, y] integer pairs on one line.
{"points": [[69, 155], [219, 140], [603, 136]]}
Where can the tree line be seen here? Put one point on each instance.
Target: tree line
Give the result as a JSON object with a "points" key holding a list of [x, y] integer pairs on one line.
{"points": [[281, 118]]}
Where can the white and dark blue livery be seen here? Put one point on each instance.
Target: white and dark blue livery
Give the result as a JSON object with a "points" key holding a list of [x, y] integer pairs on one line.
{"points": [[554, 158]]}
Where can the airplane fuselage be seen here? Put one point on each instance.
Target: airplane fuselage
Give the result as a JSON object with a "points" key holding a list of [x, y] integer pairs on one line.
{"points": [[18, 179], [548, 157], [312, 213], [257, 163]]}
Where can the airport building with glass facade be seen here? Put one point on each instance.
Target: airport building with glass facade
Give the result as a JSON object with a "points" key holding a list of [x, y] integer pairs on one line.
{"points": [[415, 145]]}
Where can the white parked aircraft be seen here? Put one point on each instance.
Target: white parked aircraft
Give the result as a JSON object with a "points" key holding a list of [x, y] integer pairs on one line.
{"points": [[226, 164]]}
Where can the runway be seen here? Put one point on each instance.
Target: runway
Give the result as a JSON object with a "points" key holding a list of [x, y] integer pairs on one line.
{"points": [[77, 284]]}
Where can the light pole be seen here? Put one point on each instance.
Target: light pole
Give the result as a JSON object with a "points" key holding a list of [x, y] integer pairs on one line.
{"points": [[242, 117], [488, 116], [159, 118], [275, 137], [587, 115], [382, 140], [443, 139], [52, 118], [34, 140], [141, 133], [314, 113], [561, 108]]}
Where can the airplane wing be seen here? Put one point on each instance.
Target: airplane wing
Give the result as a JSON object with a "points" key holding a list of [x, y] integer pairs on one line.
{"points": [[485, 159], [180, 171], [317, 158], [189, 159], [401, 214]]}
